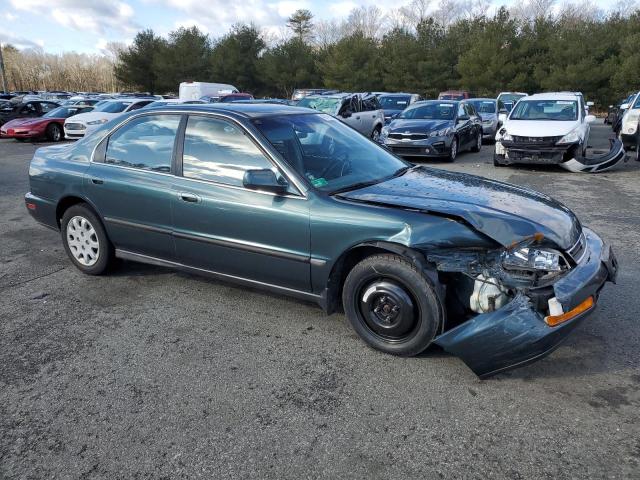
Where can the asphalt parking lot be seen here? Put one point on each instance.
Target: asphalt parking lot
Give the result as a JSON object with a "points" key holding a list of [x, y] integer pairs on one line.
{"points": [[152, 373]]}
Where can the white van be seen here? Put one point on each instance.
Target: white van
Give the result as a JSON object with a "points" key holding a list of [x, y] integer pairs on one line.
{"points": [[197, 90]]}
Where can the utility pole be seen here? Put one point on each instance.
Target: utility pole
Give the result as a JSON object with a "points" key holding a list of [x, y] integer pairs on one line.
{"points": [[4, 75]]}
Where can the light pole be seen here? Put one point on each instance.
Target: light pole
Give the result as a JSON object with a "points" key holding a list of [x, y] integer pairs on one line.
{"points": [[4, 75]]}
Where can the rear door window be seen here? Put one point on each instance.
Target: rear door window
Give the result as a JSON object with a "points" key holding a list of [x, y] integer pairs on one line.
{"points": [[145, 142]]}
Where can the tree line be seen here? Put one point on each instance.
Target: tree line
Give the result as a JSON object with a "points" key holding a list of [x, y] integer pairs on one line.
{"points": [[533, 46]]}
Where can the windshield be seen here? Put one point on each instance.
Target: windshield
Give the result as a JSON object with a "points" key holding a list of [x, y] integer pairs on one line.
{"points": [[322, 104], [484, 106], [330, 155], [510, 97], [394, 102], [636, 104], [430, 111], [66, 112], [554, 110], [112, 107]]}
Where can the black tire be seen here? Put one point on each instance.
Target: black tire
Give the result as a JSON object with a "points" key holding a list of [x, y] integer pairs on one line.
{"points": [[23, 140], [372, 291], [478, 143], [82, 245], [375, 135], [453, 150], [54, 132]]}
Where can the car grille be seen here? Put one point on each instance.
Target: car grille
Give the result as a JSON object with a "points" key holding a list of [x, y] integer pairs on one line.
{"points": [[74, 126], [536, 140], [408, 136], [407, 150], [579, 249]]}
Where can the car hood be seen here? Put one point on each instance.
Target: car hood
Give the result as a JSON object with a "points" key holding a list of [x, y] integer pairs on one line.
{"points": [[24, 122], [537, 128], [402, 125], [504, 212], [90, 116]]}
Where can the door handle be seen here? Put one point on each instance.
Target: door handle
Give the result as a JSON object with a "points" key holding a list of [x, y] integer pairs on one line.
{"points": [[97, 181], [189, 197]]}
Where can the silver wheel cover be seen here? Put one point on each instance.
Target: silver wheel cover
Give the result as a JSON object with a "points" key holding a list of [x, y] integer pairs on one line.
{"points": [[83, 241]]}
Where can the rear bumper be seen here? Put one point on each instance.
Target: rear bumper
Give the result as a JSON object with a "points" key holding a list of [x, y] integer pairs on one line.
{"points": [[42, 210], [517, 334]]}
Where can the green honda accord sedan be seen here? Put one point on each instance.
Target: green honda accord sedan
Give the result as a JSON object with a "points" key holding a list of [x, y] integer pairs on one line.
{"points": [[297, 202]]}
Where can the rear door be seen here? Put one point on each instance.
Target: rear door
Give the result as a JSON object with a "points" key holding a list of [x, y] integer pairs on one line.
{"points": [[130, 183], [220, 225]]}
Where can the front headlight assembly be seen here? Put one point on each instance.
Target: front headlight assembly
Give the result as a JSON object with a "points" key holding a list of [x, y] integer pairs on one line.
{"points": [[531, 259], [572, 137], [503, 135], [441, 133], [98, 122]]}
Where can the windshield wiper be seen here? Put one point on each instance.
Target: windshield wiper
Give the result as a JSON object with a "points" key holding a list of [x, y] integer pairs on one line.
{"points": [[401, 171]]}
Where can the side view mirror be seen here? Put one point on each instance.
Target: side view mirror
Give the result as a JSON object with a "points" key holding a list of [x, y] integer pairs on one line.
{"points": [[590, 104], [610, 106], [264, 180], [590, 118], [346, 114], [624, 106]]}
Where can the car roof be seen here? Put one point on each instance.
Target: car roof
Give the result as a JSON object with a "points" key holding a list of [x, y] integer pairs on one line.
{"points": [[241, 110], [553, 96], [483, 99], [424, 102]]}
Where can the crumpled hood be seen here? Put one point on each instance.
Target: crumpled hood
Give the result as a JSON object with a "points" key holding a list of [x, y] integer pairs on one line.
{"points": [[400, 125], [504, 212], [539, 128]]}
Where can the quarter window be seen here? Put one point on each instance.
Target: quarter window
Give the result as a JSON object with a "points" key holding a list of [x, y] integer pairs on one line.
{"points": [[219, 151], [145, 142]]}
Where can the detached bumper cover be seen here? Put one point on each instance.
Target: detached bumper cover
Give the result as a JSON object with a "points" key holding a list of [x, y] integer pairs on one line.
{"points": [[599, 163], [517, 334]]}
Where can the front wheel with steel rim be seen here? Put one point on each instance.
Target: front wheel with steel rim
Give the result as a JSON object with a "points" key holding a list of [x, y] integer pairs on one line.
{"points": [[392, 305], [85, 240]]}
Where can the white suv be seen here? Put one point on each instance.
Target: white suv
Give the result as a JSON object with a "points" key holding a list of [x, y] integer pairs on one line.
{"points": [[630, 129], [546, 128]]}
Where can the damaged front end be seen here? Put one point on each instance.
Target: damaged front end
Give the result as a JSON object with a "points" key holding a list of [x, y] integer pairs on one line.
{"points": [[526, 298]]}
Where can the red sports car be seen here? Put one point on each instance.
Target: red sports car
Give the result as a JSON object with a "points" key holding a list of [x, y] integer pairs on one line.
{"points": [[49, 126]]}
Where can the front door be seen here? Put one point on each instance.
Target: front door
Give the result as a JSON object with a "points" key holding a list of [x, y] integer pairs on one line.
{"points": [[222, 226], [130, 183]]}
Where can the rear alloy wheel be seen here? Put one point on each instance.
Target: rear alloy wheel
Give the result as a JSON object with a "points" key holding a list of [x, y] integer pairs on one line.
{"points": [[54, 132], [85, 240], [453, 150], [391, 305], [375, 135], [478, 145]]}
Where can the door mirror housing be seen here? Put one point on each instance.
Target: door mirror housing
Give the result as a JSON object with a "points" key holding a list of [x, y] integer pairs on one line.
{"points": [[590, 118], [264, 180], [346, 114], [590, 104], [624, 106]]}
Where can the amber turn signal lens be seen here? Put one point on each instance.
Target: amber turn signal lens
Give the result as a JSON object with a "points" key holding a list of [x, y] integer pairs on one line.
{"points": [[553, 320]]}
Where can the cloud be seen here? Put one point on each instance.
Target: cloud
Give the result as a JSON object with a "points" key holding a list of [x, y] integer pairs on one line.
{"points": [[95, 16], [19, 42], [191, 23], [8, 16]]}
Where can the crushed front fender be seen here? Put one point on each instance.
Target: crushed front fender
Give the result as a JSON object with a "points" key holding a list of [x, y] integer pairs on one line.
{"points": [[517, 333]]}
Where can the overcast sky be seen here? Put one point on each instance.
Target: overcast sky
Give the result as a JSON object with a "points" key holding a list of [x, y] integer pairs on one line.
{"points": [[87, 25]]}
